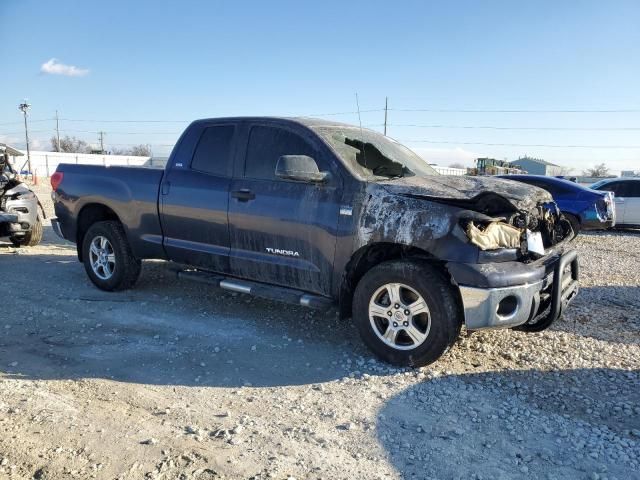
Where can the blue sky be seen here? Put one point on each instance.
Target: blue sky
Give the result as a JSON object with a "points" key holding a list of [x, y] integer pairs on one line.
{"points": [[177, 61]]}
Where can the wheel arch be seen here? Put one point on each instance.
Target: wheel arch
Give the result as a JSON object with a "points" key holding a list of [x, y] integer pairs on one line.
{"points": [[88, 215], [367, 257]]}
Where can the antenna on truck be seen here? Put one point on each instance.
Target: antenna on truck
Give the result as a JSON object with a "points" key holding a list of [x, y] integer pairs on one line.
{"points": [[364, 155]]}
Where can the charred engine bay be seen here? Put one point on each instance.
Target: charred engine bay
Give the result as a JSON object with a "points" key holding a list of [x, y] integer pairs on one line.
{"points": [[453, 206]]}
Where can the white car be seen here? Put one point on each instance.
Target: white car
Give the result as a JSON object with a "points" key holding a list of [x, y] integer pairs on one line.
{"points": [[627, 198]]}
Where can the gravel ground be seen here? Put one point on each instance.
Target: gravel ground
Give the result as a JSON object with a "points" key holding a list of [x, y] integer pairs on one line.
{"points": [[169, 381]]}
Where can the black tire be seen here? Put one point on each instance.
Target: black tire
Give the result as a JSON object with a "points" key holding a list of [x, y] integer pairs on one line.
{"points": [[536, 327], [575, 223], [127, 268], [32, 238], [444, 309]]}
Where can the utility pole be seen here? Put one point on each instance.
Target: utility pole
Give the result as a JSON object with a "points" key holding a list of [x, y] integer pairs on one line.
{"points": [[101, 141], [57, 130], [24, 108], [386, 104]]}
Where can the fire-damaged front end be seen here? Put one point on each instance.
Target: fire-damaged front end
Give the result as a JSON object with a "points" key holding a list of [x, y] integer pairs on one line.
{"points": [[505, 245], [18, 206], [18, 210]]}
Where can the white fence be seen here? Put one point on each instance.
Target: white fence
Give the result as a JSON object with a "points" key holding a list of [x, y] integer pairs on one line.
{"points": [[449, 170], [43, 164]]}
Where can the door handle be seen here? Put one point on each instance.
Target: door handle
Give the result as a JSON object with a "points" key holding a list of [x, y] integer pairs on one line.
{"points": [[165, 188], [243, 195]]}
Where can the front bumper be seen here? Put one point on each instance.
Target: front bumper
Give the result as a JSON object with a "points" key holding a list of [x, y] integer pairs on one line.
{"points": [[550, 286], [8, 218], [19, 215]]}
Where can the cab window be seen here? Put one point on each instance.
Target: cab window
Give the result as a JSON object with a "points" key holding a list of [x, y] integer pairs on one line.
{"points": [[266, 145], [213, 152]]}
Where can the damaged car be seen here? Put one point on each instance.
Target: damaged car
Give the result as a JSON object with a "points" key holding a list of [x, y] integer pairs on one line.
{"points": [[585, 208], [318, 214], [20, 218]]}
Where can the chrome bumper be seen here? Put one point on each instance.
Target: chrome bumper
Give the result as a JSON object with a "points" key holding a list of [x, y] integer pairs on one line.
{"points": [[511, 306], [482, 306]]}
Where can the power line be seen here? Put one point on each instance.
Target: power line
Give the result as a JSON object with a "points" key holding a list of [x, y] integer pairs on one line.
{"points": [[124, 121], [410, 125], [371, 110], [445, 110], [191, 120], [30, 121], [523, 144], [19, 133], [111, 132], [483, 127]]}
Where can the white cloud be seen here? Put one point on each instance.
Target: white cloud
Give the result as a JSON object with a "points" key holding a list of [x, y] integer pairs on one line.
{"points": [[54, 67]]}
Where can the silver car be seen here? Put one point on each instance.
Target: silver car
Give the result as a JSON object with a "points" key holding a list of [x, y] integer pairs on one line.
{"points": [[627, 199], [19, 217]]}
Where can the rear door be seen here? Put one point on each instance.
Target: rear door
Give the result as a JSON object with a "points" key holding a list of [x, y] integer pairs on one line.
{"points": [[282, 231], [195, 198], [632, 202]]}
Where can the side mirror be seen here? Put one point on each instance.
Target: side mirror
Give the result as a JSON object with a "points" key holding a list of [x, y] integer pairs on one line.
{"points": [[301, 168]]}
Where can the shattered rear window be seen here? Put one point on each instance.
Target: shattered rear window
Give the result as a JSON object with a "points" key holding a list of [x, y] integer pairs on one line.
{"points": [[372, 155]]}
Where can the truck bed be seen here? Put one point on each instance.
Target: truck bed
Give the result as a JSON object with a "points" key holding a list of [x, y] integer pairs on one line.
{"points": [[130, 192]]}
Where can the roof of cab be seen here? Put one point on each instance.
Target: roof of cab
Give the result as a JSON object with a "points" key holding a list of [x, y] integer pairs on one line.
{"points": [[305, 121]]}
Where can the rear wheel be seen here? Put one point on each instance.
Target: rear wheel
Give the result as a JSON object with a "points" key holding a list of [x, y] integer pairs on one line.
{"points": [[32, 238], [407, 313], [107, 256]]}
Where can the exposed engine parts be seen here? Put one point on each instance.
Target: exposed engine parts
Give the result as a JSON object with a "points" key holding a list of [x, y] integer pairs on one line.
{"points": [[517, 230]]}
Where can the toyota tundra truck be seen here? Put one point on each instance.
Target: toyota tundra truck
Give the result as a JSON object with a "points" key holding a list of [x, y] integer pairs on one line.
{"points": [[323, 214]]}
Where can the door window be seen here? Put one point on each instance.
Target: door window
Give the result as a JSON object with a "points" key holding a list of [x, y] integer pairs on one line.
{"points": [[633, 189], [618, 188], [267, 145], [213, 152]]}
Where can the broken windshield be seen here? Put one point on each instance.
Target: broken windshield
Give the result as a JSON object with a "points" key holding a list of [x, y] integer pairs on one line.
{"points": [[371, 154]]}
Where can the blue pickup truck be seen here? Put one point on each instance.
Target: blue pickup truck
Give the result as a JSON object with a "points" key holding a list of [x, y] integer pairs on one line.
{"points": [[318, 214]]}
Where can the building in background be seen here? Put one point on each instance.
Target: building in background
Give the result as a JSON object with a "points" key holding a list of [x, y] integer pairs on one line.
{"points": [[9, 150], [630, 173], [537, 166]]}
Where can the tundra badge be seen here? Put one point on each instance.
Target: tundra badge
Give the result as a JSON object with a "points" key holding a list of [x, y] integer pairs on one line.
{"points": [[286, 253]]}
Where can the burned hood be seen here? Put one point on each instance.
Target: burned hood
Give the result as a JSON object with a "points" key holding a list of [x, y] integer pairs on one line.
{"points": [[464, 190]]}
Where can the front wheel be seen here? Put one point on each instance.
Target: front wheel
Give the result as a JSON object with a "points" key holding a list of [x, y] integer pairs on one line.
{"points": [[107, 257], [575, 223], [407, 313], [32, 238]]}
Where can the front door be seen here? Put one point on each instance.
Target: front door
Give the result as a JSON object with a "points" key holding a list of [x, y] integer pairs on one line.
{"points": [[195, 200], [281, 231]]}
